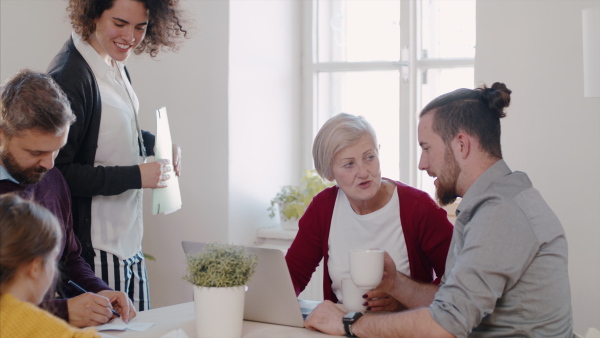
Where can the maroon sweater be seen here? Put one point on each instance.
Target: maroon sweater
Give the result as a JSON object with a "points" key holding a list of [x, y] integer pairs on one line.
{"points": [[426, 228], [52, 192]]}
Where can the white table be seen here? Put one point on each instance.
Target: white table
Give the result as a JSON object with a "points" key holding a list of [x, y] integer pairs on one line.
{"points": [[169, 318]]}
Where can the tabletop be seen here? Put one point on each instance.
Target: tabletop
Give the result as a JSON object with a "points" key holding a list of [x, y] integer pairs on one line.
{"points": [[181, 316]]}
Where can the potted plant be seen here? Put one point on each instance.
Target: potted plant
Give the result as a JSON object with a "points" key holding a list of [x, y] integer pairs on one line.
{"points": [[291, 201], [219, 274]]}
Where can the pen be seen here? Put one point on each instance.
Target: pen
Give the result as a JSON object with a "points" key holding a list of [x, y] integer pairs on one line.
{"points": [[83, 290]]}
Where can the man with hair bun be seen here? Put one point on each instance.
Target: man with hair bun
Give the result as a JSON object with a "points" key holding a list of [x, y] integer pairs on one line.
{"points": [[34, 123], [506, 271]]}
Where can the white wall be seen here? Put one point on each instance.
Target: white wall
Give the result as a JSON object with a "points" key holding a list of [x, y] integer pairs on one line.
{"points": [[31, 33], [551, 131], [264, 109], [193, 85]]}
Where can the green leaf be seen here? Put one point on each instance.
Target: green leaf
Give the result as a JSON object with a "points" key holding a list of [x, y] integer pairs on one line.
{"points": [[292, 201], [220, 265]]}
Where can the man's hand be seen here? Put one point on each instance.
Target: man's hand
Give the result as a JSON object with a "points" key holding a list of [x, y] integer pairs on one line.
{"points": [[89, 309], [326, 317], [409, 293], [379, 299], [154, 174], [120, 303], [388, 282]]}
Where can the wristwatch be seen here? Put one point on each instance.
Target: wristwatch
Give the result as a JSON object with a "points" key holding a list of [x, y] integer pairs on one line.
{"points": [[349, 319]]}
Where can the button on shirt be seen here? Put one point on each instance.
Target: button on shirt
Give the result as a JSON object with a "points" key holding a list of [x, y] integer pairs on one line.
{"points": [[506, 271], [117, 223]]}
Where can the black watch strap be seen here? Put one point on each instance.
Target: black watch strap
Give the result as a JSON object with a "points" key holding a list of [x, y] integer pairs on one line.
{"points": [[349, 320], [348, 330]]}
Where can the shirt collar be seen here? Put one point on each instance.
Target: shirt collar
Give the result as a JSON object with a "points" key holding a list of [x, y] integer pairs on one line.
{"points": [[93, 59], [496, 171], [4, 175]]}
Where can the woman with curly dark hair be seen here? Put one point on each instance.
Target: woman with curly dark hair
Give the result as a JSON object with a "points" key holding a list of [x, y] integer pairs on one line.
{"points": [[104, 160]]}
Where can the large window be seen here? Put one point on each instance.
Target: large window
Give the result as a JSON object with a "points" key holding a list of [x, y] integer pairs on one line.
{"points": [[385, 59]]}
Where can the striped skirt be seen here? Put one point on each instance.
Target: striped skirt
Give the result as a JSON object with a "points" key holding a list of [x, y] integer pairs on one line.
{"points": [[127, 275]]}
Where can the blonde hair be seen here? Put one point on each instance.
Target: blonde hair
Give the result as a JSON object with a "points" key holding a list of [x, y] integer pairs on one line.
{"points": [[28, 231], [337, 133]]}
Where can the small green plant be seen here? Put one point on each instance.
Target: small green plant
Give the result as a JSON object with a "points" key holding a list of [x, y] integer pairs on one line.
{"points": [[220, 265], [292, 201]]}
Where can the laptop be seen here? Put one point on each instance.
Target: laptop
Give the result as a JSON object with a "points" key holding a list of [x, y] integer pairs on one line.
{"points": [[270, 297]]}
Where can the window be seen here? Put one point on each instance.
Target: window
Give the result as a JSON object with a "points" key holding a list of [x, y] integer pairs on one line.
{"points": [[385, 59]]}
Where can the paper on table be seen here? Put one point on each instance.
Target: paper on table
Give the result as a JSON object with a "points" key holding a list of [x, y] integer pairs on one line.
{"points": [[179, 333], [118, 324], [165, 200]]}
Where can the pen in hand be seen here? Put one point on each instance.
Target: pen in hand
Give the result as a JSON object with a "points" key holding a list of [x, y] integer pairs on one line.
{"points": [[83, 290]]}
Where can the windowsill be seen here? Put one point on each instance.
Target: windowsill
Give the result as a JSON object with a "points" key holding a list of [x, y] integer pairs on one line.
{"points": [[277, 233], [275, 238]]}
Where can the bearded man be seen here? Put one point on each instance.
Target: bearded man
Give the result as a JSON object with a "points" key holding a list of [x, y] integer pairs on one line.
{"points": [[35, 119]]}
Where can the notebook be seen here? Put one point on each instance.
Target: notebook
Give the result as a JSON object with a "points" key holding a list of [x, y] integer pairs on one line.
{"points": [[270, 297]]}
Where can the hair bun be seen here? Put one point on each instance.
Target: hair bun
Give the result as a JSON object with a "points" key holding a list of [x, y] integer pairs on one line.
{"points": [[497, 97]]}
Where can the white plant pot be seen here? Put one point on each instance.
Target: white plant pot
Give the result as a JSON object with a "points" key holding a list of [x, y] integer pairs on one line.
{"points": [[219, 311]]}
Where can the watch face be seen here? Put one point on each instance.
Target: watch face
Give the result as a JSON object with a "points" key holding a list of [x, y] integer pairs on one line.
{"points": [[351, 316]]}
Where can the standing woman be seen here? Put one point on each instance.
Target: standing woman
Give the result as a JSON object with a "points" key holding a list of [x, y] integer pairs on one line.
{"points": [[29, 248], [104, 160]]}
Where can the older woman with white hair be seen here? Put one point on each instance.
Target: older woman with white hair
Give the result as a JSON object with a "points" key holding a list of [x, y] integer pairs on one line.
{"points": [[363, 211]]}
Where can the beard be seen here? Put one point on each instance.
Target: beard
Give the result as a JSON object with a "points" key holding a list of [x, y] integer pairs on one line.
{"points": [[23, 176], [446, 187]]}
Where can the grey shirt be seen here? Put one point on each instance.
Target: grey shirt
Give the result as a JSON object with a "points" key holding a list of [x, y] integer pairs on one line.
{"points": [[506, 271]]}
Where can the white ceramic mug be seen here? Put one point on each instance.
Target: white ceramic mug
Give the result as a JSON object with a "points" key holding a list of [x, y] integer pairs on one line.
{"points": [[352, 296], [366, 268]]}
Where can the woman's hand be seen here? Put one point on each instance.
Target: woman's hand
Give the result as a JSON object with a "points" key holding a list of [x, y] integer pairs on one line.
{"points": [[155, 174], [381, 301]]}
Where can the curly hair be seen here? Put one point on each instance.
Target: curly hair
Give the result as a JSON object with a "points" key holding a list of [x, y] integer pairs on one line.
{"points": [[165, 23]]}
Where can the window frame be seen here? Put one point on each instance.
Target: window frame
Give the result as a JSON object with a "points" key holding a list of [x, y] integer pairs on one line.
{"points": [[410, 67]]}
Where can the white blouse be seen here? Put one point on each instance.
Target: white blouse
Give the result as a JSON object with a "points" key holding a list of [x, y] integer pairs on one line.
{"points": [[117, 221], [378, 230]]}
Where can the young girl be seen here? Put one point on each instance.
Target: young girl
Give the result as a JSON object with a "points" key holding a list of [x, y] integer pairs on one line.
{"points": [[30, 237]]}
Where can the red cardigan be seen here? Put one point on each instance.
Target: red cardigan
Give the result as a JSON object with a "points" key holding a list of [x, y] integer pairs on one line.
{"points": [[426, 228]]}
